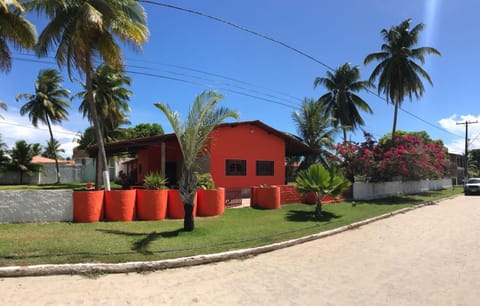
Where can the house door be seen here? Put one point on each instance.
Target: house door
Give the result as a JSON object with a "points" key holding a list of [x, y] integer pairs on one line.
{"points": [[171, 173]]}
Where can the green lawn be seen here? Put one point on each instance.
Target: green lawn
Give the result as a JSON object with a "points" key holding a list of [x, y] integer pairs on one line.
{"points": [[39, 243]]}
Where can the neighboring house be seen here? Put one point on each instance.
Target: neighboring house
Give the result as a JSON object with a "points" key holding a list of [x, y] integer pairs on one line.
{"points": [[242, 155], [81, 157], [457, 167]]}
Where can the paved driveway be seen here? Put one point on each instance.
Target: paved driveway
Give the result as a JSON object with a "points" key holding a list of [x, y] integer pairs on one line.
{"points": [[429, 256]]}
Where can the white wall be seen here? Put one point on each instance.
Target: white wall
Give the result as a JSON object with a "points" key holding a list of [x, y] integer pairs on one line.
{"points": [[371, 191], [17, 206]]}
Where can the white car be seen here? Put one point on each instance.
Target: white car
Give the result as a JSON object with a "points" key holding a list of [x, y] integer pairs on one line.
{"points": [[472, 186]]}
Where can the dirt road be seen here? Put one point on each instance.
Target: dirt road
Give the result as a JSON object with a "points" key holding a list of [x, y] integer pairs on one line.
{"points": [[429, 256]]}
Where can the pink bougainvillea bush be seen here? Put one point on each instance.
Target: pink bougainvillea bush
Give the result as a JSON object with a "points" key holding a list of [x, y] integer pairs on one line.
{"points": [[406, 158]]}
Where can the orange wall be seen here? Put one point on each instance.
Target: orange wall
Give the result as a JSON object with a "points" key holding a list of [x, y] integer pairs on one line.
{"points": [[250, 143], [150, 159]]}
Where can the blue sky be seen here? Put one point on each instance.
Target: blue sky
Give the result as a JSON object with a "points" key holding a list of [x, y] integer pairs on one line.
{"points": [[252, 72]]}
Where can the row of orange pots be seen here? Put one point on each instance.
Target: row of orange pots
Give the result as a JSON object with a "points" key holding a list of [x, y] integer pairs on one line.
{"points": [[142, 204]]}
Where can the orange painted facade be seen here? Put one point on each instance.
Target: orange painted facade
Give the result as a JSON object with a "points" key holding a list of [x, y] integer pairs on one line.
{"points": [[244, 142], [251, 144]]}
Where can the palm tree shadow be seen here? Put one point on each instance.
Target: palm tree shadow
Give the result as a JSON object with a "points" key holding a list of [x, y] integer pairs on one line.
{"points": [[142, 245], [309, 216]]}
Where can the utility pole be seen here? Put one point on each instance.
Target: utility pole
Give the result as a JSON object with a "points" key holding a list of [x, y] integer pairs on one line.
{"points": [[466, 123]]}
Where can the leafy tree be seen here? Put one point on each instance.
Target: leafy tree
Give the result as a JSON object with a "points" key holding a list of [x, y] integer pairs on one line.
{"points": [[398, 72], [22, 155], [84, 31], [315, 129], [14, 28], [192, 136], [47, 104], [143, 130], [52, 149], [341, 100], [321, 181]]}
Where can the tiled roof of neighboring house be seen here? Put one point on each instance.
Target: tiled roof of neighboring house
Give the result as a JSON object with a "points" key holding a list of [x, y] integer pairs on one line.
{"points": [[44, 160], [294, 146], [79, 153]]}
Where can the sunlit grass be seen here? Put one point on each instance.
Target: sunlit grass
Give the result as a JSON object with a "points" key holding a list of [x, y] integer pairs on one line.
{"points": [[60, 242]]}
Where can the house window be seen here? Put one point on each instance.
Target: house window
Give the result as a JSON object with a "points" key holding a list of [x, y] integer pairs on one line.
{"points": [[235, 167], [265, 168]]}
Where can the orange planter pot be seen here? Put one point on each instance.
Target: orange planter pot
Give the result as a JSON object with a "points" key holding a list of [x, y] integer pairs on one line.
{"points": [[175, 208], [211, 202], [120, 205], [152, 204], [267, 197], [88, 206]]}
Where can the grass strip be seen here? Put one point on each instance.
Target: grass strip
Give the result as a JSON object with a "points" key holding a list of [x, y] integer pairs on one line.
{"points": [[114, 242]]}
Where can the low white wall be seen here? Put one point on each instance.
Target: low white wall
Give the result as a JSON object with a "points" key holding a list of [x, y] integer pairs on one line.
{"points": [[18, 206], [371, 191]]}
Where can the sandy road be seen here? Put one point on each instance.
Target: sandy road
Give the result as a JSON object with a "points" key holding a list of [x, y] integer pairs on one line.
{"points": [[429, 256]]}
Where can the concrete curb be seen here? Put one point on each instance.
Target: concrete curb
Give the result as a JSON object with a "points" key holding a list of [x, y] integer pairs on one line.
{"points": [[146, 266]]}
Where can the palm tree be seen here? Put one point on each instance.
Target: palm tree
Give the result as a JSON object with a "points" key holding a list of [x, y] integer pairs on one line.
{"points": [[3, 106], [47, 104], [4, 160], [15, 29], [315, 129], [52, 149], [22, 155], [111, 101], [398, 72], [341, 101], [322, 182], [192, 136], [85, 30]]}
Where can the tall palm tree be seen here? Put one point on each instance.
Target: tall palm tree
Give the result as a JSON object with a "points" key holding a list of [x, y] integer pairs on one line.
{"points": [[192, 136], [341, 100], [314, 127], [47, 104], [22, 155], [85, 30], [111, 101], [398, 72], [3, 106], [52, 149], [15, 29]]}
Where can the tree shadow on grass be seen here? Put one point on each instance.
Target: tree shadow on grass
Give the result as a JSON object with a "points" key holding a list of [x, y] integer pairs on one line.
{"points": [[309, 216], [142, 245]]}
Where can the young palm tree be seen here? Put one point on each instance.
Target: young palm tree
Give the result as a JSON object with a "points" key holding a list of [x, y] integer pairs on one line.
{"points": [[398, 72], [192, 136], [341, 101], [47, 104], [315, 129], [22, 155], [52, 149], [15, 29], [85, 30], [322, 182]]}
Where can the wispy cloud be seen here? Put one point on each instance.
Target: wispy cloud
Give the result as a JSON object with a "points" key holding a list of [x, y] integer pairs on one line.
{"points": [[15, 127], [457, 145]]}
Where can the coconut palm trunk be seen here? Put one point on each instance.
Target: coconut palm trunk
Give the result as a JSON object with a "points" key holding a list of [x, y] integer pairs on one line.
{"points": [[101, 156], [54, 152]]}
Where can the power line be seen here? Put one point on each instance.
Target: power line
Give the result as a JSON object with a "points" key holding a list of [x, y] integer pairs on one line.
{"points": [[245, 29]]}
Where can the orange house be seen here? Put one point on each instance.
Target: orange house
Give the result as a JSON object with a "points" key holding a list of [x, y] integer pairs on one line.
{"points": [[241, 155]]}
